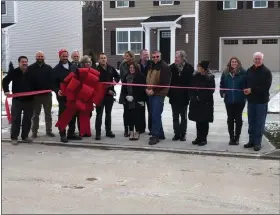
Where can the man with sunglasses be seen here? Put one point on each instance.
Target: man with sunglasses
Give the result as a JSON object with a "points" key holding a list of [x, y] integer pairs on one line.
{"points": [[258, 83], [158, 74]]}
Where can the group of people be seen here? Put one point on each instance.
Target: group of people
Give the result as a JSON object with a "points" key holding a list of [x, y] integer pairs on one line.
{"points": [[145, 85]]}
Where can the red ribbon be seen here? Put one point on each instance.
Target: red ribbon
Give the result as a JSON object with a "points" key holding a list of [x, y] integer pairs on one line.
{"points": [[175, 87], [81, 91], [15, 95]]}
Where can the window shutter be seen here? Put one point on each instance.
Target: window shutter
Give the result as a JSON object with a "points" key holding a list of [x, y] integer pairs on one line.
{"points": [[113, 42], [131, 3], [176, 2], [156, 3], [112, 4], [220, 5], [249, 4], [143, 44], [240, 5], [270, 4]]}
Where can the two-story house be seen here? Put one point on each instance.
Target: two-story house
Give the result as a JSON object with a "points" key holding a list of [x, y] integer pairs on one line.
{"points": [[30, 26], [206, 30]]}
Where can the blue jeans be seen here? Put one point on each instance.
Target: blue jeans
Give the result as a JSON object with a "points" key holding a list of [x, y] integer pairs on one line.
{"points": [[156, 105], [256, 119]]}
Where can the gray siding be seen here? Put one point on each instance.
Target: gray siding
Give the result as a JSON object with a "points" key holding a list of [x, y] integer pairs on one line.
{"points": [[10, 16], [47, 28], [241, 22], [145, 8], [204, 31], [111, 26], [187, 28]]}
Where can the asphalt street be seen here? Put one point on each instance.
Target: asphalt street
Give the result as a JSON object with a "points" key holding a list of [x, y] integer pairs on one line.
{"points": [[44, 179]]}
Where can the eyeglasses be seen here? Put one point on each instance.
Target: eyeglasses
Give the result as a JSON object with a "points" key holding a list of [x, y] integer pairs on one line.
{"points": [[155, 57]]}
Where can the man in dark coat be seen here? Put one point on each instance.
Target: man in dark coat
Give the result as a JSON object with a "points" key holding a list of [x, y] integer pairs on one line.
{"points": [[107, 74], [60, 72], [202, 102], [181, 74], [41, 73], [258, 83], [144, 63], [22, 82]]}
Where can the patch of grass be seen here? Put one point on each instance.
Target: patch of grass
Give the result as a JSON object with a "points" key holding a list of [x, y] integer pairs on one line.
{"points": [[272, 132]]}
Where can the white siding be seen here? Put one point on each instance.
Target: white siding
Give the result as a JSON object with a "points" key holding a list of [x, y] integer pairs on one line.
{"points": [[47, 26]]}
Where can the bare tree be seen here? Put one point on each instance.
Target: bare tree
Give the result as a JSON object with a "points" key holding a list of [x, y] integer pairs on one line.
{"points": [[92, 27]]}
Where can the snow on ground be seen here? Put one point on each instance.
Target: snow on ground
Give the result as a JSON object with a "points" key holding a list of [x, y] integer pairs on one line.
{"points": [[274, 104]]}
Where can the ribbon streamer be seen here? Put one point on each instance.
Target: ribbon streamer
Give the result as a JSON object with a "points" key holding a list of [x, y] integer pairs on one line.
{"points": [[15, 95]]}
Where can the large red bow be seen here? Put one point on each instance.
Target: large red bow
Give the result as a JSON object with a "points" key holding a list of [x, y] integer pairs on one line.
{"points": [[81, 91]]}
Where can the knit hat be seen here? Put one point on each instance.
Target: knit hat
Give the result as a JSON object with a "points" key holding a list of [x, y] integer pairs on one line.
{"points": [[204, 64], [61, 51]]}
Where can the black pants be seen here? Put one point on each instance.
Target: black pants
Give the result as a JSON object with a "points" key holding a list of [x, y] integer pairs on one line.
{"points": [[72, 124], [134, 116], [19, 106], [202, 129], [108, 105], [125, 117], [180, 128], [234, 113]]}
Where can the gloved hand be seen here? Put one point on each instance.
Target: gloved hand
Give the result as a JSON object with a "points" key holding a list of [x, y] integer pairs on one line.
{"points": [[129, 98], [141, 103]]}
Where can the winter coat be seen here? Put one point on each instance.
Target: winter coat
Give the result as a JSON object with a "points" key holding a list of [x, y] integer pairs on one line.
{"points": [[159, 74], [179, 96], [233, 82], [259, 80], [138, 92], [201, 100]]}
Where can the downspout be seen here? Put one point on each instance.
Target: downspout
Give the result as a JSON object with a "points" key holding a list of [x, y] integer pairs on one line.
{"points": [[196, 26]]}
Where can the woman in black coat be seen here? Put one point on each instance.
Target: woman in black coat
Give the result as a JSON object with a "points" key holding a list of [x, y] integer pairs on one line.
{"points": [[201, 102], [134, 98]]}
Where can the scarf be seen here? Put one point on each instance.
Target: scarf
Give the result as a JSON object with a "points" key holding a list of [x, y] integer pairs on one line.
{"points": [[180, 67], [129, 80]]}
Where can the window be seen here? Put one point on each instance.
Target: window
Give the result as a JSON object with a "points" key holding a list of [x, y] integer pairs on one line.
{"points": [[165, 2], [3, 8], [230, 42], [128, 39], [260, 4], [120, 4], [248, 42], [270, 41], [230, 5]]}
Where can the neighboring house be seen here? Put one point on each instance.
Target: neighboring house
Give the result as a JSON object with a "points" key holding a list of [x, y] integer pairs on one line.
{"points": [[30, 26], [206, 30]]}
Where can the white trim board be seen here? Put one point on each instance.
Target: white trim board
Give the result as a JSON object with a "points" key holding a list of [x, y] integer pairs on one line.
{"points": [[240, 37], [143, 18], [103, 29], [124, 19]]}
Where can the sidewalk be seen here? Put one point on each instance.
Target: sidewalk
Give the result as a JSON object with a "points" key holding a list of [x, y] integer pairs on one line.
{"points": [[217, 139]]}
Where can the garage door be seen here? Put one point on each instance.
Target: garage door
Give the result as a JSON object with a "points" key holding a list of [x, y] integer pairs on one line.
{"points": [[245, 48]]}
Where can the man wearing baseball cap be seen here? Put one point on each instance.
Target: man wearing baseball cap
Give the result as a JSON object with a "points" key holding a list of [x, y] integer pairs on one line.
{"points": [[61, 70]]}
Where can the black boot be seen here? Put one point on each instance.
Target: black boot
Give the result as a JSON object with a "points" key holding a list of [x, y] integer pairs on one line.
{"points": [[195, 142], [126, 134], [183, 137], [236, 140], [110, 134], [98, 136], [231, 131], [176, 137]]}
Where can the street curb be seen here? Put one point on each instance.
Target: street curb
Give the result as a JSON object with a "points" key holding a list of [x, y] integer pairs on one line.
{"points": [[104, 146]]}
